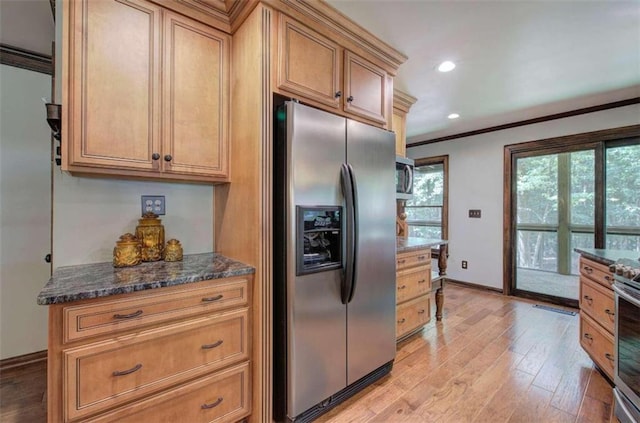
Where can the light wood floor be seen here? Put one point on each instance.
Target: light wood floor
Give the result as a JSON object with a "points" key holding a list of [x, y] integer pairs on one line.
{"points": [[492, 359]]}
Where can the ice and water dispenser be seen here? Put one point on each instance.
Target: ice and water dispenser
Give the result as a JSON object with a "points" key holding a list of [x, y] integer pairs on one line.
{"points": [[319, 239]]}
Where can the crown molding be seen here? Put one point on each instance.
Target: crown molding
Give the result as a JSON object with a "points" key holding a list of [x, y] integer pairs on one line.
{"points": [[25, 59], [403, 101]]}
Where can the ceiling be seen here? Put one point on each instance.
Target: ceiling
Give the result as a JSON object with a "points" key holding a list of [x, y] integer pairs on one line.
{"points": [[516, 59]]}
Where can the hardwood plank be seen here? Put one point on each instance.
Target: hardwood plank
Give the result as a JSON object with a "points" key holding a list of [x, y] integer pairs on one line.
{"points": [[537, 401], [507, 399]]}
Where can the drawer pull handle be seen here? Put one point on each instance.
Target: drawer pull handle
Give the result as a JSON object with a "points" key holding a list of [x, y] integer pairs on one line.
{"points": [[211, 299], [128, 316], [607, 278], [588, 299], [213, 404], [609, 312], [422, 257], [215, 344], [588, 336], [402, 287], [401, 261], [128, 372], [402, 320], [421, 311], [588, 269], [609, 356], [422, 281]]}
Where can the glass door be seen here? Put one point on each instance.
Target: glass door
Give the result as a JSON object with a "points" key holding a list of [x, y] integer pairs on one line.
{"points": [[555, 203]]}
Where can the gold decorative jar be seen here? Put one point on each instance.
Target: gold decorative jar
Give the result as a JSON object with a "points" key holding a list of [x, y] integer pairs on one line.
{"points": [[127, 252], [173, 251], [150, 233]]}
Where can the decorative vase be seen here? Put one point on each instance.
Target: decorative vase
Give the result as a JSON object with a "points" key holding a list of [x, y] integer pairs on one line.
{"points": [[150, 233], [173, 251], [127, 252]]}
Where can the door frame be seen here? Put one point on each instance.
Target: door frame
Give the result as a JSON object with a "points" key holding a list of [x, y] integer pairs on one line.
{"points": [[570, 143]]}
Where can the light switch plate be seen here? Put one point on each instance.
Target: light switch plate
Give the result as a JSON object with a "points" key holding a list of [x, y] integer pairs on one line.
{"points": [[153, 203]]}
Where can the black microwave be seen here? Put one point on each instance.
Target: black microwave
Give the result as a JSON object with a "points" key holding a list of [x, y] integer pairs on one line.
{"points": [[404, 178]]}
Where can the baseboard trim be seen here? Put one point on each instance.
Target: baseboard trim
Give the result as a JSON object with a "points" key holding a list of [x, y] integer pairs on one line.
{"points": [[475, 286], [22, 360]]}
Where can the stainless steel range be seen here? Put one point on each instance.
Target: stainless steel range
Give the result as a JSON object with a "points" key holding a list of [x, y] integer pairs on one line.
{"points": [[627, 340]]}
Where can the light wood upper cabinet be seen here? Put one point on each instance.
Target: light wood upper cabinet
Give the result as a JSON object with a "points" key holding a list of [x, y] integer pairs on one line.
{"points": [[365, 92], [196, 95], [309, 64], [114, 85], [316, 70], [145, 92]]}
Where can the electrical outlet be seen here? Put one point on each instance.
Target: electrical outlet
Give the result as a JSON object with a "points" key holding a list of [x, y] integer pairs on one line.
{"points": [[475, 213], [153, 203], [464, 264]]}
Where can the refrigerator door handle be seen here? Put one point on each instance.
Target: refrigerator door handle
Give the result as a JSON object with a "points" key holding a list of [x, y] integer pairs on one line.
{"points": [[349, 266], [354, 231]]}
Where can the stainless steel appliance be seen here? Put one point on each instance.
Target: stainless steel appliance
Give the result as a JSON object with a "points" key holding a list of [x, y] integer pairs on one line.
{"points": [[626, 289], [404, 178], [334, 259]]}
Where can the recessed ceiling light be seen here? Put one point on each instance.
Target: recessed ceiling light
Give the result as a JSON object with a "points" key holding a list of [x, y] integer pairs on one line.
{"points": [[446, 66], [453, 116]]}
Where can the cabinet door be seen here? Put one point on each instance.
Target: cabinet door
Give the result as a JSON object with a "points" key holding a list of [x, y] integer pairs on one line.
{"points": [[308, 63], [112, 84], [195, 98], [365, 89]]}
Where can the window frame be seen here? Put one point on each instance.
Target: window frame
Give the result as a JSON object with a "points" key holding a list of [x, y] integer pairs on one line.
{"points": [[444, 218]]}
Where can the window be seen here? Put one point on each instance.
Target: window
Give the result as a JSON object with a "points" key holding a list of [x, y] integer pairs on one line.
{"points": [[427, 211], [578, 191]]}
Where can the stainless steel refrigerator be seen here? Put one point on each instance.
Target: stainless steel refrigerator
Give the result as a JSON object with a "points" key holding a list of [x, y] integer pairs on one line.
{"points": [[334, 259]]}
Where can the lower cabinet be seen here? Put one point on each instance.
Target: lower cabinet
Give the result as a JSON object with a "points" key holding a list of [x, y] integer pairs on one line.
{"points": [[413, 292], [163, 355], [597, 314]]}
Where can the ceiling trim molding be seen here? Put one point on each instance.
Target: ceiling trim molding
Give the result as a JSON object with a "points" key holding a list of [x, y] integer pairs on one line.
{"points": [[555, 116], [25, 59], [403, 101]]}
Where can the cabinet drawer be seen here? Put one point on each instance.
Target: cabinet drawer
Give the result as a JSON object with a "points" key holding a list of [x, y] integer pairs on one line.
{"points": [[222, 397], [597, 301], [108, 373], [598, 343], [137, 310], [412, 315], [412, 259], [412, 283], [596, 271]]}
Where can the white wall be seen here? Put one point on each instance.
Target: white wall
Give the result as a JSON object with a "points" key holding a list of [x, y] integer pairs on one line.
{"points": [[90, 214], [25, 209], [476, 182]]}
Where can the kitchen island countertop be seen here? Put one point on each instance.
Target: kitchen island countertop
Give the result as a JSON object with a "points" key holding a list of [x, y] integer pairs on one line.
{"points": [[606, 257], [404, 245], [80, 282]]}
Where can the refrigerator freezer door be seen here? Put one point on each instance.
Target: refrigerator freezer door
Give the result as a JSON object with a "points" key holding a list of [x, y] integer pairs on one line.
{"points": [[371, 313], [316, 317]]}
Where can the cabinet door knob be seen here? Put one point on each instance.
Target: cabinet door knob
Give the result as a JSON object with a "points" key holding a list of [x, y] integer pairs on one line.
{"points": [[168, 158], [47, 258], [155, 156], [349, 99], [338, 94]]}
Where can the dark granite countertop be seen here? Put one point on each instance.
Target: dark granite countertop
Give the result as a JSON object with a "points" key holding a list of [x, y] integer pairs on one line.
{"points": [[606, 257], [73, 283], [404, 245]]}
